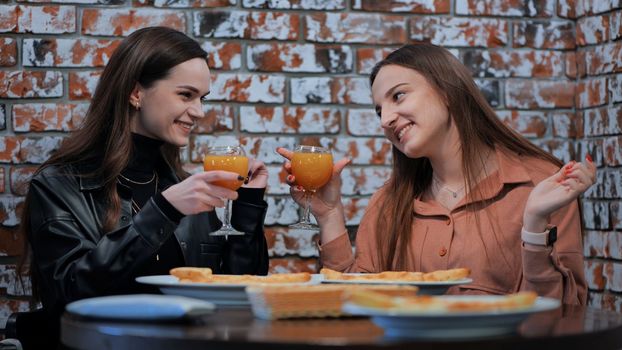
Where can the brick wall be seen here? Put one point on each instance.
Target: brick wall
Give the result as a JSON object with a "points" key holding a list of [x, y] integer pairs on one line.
{"points": [[294, 71]]}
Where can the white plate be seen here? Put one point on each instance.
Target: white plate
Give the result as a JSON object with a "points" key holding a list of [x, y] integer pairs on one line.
{"points": [[222, 294], [425, 287], [140, 307], [428, 324]]}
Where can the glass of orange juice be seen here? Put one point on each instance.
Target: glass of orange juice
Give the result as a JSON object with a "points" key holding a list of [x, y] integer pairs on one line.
{"points": [[313, 167], [228, 158]]}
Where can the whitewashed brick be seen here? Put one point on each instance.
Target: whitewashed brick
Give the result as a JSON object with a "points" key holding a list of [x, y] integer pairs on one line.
{"points": [[364, 122]]}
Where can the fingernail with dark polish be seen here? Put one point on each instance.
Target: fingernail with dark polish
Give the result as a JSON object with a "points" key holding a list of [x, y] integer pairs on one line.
{"points": [[246, 181], [240, 178], [290, 178], [589, 158]]}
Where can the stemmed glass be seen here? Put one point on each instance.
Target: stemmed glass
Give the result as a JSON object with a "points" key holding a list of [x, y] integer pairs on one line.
{"points": [[313, 167], [228, 158]]}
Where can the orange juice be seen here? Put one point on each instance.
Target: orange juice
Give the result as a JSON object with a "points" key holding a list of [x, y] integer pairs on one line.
{"points": [[312, 170], [234, 163]]}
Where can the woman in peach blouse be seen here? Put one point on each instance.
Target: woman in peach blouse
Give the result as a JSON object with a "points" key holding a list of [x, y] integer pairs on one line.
{"points": [[465, 191]]}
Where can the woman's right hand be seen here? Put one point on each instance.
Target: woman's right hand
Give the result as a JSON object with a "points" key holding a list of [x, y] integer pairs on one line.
{"points": [[198, 193], [327, 200]]}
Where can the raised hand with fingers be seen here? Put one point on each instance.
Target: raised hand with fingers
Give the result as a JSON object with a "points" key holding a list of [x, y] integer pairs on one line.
{"points": [[257, 174], [556, 191], [199, 193]]}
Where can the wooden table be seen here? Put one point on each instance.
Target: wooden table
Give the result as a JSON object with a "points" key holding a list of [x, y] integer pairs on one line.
{"points": [[567, 327]]}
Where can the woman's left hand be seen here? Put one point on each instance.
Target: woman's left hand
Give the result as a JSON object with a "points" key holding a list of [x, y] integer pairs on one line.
{"points": [[557, 191], [257, 174]]}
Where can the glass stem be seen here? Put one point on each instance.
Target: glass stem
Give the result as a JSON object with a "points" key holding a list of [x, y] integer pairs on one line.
{"points": [[306, 217], [227, 219]]}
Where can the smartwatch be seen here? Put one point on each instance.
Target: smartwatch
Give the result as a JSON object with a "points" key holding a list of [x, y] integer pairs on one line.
{"points": [[546, 238]]}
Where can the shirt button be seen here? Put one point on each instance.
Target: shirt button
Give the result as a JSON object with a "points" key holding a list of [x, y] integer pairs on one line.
{"points": [[442, 251], [124, 218]]}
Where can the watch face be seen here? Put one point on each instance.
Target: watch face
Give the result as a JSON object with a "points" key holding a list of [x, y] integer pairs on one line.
{"points": [[552, 235]]}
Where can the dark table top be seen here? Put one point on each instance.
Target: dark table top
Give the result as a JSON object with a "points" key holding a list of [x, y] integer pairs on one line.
{"points": [[567, 327]]}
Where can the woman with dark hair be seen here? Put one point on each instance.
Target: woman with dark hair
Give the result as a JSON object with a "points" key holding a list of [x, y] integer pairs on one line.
{"points": [[114, 203], [465, 191]]}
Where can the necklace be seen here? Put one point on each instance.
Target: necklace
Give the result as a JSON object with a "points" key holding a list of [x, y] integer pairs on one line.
{"points": [[136, 182], [453, 193]]}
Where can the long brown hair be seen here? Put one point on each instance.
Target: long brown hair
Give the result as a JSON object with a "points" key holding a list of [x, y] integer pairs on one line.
{"points": [[104, 139], [478, 127]]}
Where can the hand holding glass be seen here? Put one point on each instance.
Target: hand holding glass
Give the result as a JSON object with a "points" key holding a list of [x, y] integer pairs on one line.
{"points": [[228, 158], [312, 168]]}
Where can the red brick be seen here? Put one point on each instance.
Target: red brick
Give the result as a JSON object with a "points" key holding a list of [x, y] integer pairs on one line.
{"points": [[562, 149], [290, 120], [529, 124], [594, 244], [290, 265], [355, 28], [417, 6], [604, 59], [67, 52], [363, 180], [247, 88], [596, 215], [283, 242], [575, 64], [615, 88], [223, 55], [299, 58], [594, 275], [10, 210], [567, 125], [616, 25], [246, 25], [12, 241], [613, 275], [8, 52], [12, 283], [3, 116], [567, 8], [9, 306], [363, 122], [17, 149], [592, 30], [20, 178], [82, 84], [594, 7], [183, 3], [461, 32], [613, 151], [591, 93], [514, 8], [512, 63], [529, 94], [37, 19], [29, 84], [217, 118], [122, 22], [368, 57], [347, 90], [354, 208], [544, 35], [276, 180], [281, 211], [594, 147], [295, 4], [48, 117]]}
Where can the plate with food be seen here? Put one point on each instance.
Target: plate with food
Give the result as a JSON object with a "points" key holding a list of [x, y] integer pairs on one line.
{"points": [[457, 316], [222, 290], [431, 283]]}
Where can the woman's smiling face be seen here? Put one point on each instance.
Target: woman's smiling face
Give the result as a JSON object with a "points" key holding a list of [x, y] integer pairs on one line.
{"points": [[412, 113], [169, 109]]}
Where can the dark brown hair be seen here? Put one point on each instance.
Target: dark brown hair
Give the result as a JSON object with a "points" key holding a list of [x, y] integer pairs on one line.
{"points": [[478, 128], [104, 138]]}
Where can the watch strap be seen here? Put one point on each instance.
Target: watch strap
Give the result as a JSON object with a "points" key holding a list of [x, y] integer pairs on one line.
{"points": [[546, 238]]}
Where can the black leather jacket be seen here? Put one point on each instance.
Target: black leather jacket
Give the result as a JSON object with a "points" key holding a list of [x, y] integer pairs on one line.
{"points": [[74, 259]]}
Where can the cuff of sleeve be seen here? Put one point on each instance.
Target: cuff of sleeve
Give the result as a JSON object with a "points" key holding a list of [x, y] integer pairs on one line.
{"points": [[251, 195], [538, 264], [337, 254], [248, 217], [167, 208]]}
